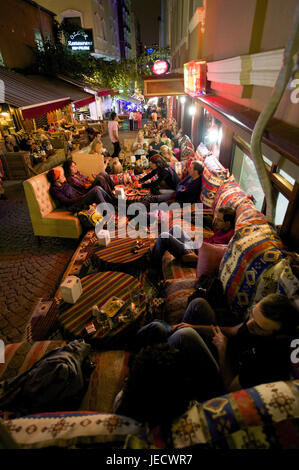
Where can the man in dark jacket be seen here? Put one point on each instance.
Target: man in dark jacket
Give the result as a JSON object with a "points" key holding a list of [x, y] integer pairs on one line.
{"points": [[188, 190]]}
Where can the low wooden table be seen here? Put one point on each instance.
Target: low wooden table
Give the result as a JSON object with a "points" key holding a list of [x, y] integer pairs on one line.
{"points": [[118, 255], [97, 290]]}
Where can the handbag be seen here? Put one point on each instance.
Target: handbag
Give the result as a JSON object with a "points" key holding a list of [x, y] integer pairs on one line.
{"points": [[90, 217]]}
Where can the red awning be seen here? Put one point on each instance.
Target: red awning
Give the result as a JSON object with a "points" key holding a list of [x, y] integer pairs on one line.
{"points": [[34, 111], [80, 103]]}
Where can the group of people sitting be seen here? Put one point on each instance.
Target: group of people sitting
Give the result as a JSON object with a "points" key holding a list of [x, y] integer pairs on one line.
{"points": [[209, 352]]}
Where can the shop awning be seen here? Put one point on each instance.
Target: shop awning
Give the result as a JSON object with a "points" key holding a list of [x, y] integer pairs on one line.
{"points": [[91, 88], [29, 95], [78, 97], [171, 84]]}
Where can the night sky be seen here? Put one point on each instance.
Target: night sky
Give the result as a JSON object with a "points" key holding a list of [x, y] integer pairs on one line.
{"points": [[147, 13]]}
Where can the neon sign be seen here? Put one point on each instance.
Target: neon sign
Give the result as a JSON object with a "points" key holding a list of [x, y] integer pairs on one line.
{"points": [[160, 67], [195, 77], [81, 41]]}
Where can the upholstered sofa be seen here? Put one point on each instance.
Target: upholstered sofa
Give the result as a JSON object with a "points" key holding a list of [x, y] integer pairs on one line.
{"points": [[48, 220]]}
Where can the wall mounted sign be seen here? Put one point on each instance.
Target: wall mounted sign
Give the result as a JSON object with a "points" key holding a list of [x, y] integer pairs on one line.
{"points": [[160, 67], [149, 50], [195, 77], [81, 41]]}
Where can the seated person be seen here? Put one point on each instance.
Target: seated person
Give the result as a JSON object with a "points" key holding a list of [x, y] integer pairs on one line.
{"points": [[156, 144], [159, 387], [250, 353], [188, 190], [25, 143], [168, 154], [10, 144], [83, 183], [139, 147], [181, 246], [166, 140], [71, 198], [166, 176]]}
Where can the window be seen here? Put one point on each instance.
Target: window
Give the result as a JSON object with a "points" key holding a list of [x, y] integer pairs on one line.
{"points": [[281, 208], [74, 20], [267, 161], [39, 40], [286, 176], [246, 175]]}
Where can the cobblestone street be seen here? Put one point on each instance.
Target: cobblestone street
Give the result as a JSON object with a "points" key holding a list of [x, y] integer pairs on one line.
{"points": [[28, 270]]}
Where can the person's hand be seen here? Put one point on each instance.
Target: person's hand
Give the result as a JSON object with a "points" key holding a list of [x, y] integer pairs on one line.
{"points": [[179, 326], [219, 340]]}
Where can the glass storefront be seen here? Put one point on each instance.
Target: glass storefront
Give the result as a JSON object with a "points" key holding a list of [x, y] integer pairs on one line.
{"points": [[211, 133], [245, 174]]}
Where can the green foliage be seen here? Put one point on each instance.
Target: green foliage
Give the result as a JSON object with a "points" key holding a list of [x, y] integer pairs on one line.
{"points": [[57, 59]]}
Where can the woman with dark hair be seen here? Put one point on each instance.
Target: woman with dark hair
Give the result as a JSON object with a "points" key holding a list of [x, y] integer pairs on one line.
{"points": [[167, 178], [83, 183]]}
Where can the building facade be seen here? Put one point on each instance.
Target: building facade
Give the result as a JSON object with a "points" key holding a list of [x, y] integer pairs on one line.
{"points": [[127, 36], [241, 46], [101, 16], [23, 25]]}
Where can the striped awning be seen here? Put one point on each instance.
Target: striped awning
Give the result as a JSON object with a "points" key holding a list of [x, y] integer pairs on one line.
{"points": [[97, 90], [35, 95]]}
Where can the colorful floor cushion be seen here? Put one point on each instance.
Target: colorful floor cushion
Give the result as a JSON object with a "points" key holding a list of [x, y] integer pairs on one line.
{"points": [[177, 292], [71, 430], [21, 356], [241, 419]]}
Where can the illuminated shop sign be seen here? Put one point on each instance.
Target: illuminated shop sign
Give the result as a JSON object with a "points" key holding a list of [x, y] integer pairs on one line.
{"points": [[195, 77], [149, 50], [160, 67], [81, 41]]}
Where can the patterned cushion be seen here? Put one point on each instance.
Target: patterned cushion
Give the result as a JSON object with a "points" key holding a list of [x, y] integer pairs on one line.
{"points": [[268, 282], [209, 258], [71, 429], [230, 194], [21, 356], [288, 283], [231, 419], [213, 177], [254, 248], [176, 305]]}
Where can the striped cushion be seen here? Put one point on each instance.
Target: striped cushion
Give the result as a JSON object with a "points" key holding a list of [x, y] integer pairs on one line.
{"points": [[21, 356]]}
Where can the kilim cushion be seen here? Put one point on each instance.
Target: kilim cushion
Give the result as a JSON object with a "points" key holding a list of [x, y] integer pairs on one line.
{"points": [[239, 419], [213, 177], [176, 305], [254, 248], [71, 429], [21, 356]]}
